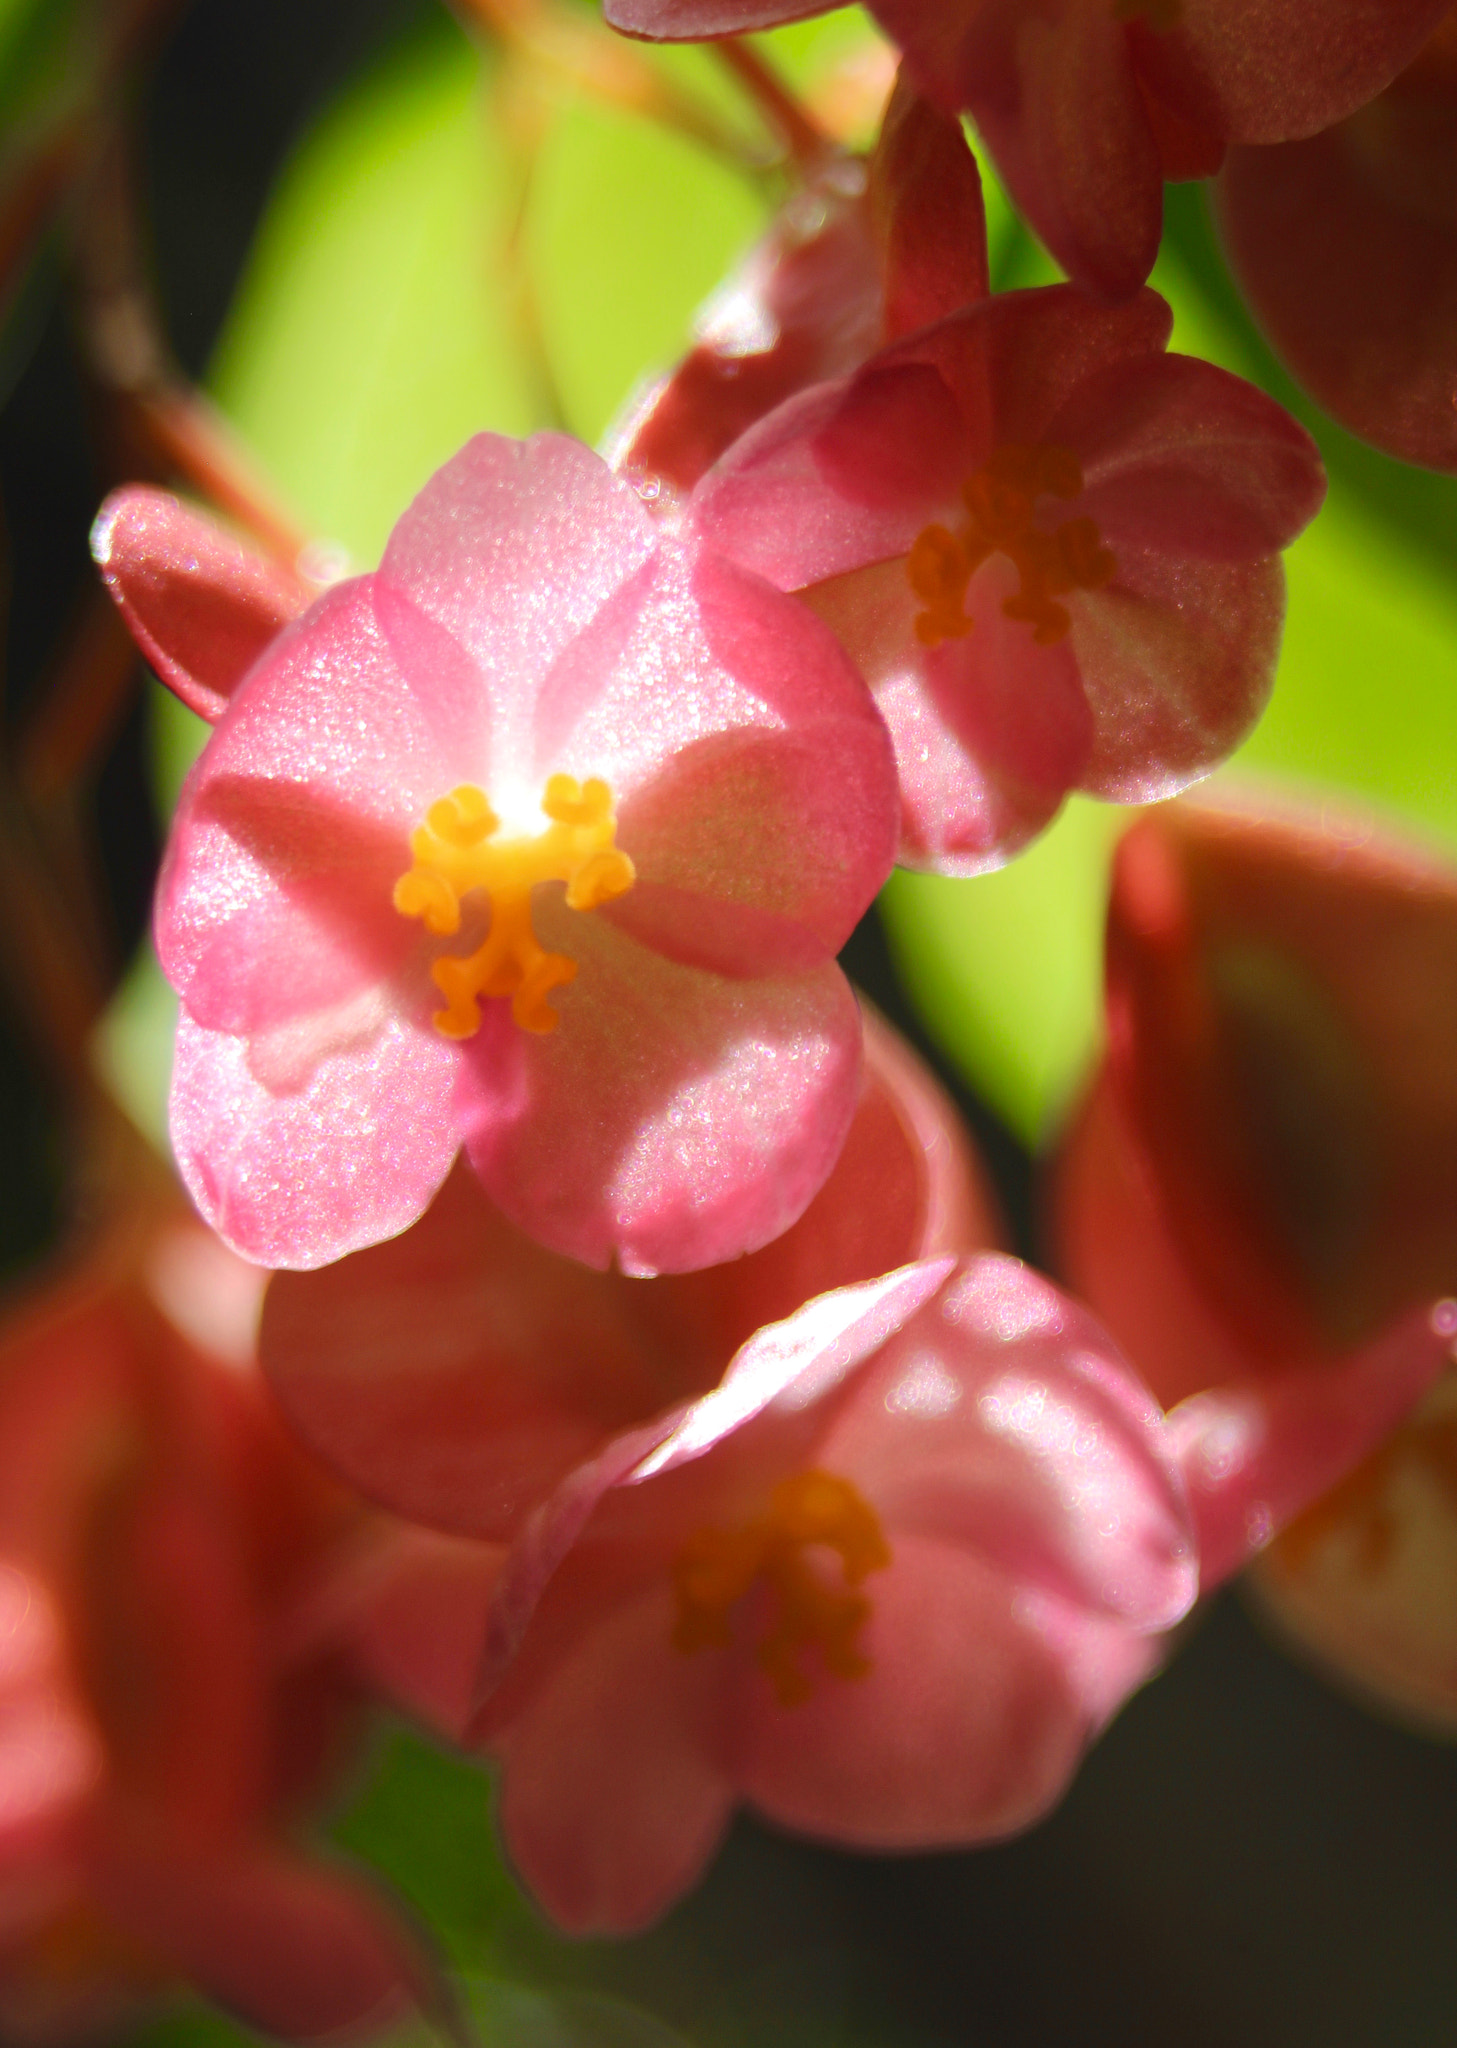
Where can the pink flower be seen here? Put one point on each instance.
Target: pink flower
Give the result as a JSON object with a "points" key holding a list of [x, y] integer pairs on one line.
{"points": [[1365, 1582], [163, 1725], [459, 1372], [1051, 548], [883, 1584], [1260, 1196], [615, 802], [1088, 105], [860, 253], [1345, 245]]}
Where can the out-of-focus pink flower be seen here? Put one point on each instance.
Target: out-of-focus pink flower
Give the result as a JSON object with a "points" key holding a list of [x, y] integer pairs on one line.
{"points": [[1051, 548], [1345, 245], [1260, 1195], [163, 1723], [882, 1584], [459, 1372], [1088, 105], [862, 252], [1365, 1582], [615, 802]]}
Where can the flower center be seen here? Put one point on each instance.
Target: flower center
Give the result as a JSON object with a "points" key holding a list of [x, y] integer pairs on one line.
{"points": [[460, 848], [1001, 503], [716, 1568]]}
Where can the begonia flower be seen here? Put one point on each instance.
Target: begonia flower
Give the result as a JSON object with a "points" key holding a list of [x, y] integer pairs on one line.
{"points": [[1345, 246], [457, 1373], [1364, 1584], [1260, 1195], [883, 1584], [541, 838], [164, 1723], [861, 252], [1088, 105], [1052, 550]]}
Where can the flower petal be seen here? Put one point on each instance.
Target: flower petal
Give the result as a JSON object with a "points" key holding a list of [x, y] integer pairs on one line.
{"points": [[754, 778], [512, 548], [926, 192], [305, 1952], [1259, 1451], [809, 492], [457, 1372], [1054, 94], [201, 605], [276, 897], [1177, 659], [965, 1728], [1182, 457], [1354, 283], [1270, 70], [301, 1173], [1003, 1419], [614, 1794], [990, 731], [717, 1107]]}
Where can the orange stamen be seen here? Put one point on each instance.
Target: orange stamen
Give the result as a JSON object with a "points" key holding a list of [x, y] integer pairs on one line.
{"points": [[1001, 506], [717, 1568], [458, 849]]}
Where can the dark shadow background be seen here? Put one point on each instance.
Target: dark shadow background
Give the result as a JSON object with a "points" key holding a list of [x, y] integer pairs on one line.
{"points": [[1247, 1861]]}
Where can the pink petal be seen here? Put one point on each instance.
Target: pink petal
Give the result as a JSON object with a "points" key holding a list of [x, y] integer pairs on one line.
{"points": [[1355, 284], [1177, 659], [807, 494], [803, 307], [346, 1147], [50, 1762], [926, 192], [1004, 1420], [1041, 346], [511, 549], [457, 1372], [201, 604], [717, 1107], [1181, 457], [420, 1639], [966, 1727], [1256, 1453], [614, 1793], [758, 808], [637, 1502], [990, 732], [307, 1953], [696, 21], [906, 1186], [1117, 1251], [1270, 70], [1055, 96], [276, 895]]}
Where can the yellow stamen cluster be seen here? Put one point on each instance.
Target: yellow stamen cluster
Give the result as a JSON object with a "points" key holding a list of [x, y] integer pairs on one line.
{"points": [[1001, 502], [716, 1568], [458, 850]]}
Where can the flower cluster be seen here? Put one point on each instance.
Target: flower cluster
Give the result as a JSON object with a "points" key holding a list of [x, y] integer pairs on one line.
{"points": [[621, 1252]]}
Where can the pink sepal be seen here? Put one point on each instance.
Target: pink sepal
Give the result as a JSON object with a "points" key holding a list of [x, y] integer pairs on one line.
{"points": [[201, 604], [1256, 1453]]}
